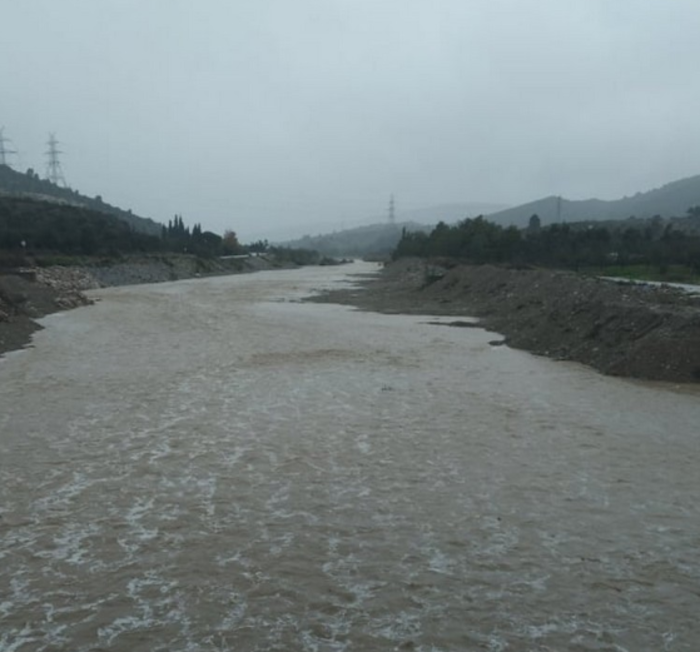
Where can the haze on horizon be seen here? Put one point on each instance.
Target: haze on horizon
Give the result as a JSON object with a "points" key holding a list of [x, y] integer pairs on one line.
{"points": [[275, 118]]}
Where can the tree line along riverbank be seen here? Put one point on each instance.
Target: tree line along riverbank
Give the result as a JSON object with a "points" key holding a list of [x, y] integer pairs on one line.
{"points": [[664, 249]]}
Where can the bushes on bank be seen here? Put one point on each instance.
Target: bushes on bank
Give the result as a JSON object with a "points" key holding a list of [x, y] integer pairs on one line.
{"points": [[570, 246]]}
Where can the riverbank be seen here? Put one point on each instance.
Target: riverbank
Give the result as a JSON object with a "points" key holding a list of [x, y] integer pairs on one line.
{"points": [[618, 328], [29, 293]]}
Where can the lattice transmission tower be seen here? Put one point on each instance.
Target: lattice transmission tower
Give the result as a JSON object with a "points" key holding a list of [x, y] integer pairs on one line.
{"points": [[54, 171], [392, 210], [3, 150]]}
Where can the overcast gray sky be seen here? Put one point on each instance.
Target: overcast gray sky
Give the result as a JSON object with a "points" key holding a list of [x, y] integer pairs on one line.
{"points": [[281, 117]]}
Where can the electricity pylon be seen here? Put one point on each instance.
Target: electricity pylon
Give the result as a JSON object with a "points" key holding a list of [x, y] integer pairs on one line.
{"points": [[3, 150], [54, 172]]}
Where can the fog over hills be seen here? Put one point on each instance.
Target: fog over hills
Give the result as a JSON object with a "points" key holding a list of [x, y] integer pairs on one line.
{"points": [[444, 212], [671, 200], [377, 236]]}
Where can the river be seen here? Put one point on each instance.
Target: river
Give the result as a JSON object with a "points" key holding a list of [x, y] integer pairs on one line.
{"points": [[213, 465]]}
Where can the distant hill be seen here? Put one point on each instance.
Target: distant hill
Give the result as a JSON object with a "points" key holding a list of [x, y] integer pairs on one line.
{"points": [[446, 212], [379, 238], [671, 200], [431, 215], [371, 240], [28, 184]]}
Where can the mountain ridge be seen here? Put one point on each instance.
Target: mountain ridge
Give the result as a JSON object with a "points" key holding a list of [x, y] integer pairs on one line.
{"points": [[673, 199], [670, 200]]}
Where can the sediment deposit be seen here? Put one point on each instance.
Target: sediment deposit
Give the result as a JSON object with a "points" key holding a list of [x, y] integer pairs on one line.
{"points": [[620, 328]]}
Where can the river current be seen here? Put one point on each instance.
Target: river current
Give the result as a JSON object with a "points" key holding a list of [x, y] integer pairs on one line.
{"points": [[213, 465]]}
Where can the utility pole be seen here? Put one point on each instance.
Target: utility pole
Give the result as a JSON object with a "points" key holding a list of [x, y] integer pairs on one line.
{"points": [[3, 151], [392, 210], [54, 172]]}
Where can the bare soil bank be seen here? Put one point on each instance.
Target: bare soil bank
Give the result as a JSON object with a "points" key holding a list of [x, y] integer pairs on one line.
{"points": [[621, 329]]}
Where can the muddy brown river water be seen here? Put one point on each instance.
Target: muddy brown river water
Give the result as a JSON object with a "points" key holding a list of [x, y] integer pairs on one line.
{"points": [[213, 465]]}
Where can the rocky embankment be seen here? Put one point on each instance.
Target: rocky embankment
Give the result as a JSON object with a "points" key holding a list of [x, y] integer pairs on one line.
{"points": [[619, 328], [27, 294]]}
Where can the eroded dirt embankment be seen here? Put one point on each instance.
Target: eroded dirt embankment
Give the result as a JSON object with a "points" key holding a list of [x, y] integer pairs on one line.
{"points": [[623, 329]]}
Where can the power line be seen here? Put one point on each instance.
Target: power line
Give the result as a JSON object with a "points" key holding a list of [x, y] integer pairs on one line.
{"points": [[54, 172]]}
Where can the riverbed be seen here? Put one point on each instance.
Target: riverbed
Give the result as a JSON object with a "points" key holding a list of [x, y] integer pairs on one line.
{"points": [[215, 465]]}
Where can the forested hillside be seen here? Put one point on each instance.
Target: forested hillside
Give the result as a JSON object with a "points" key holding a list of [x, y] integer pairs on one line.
{"points": [[29, 184], [372, 240], [29, 226]]}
